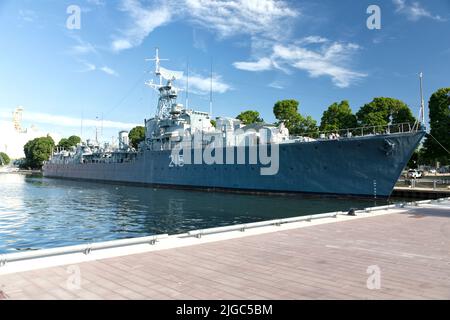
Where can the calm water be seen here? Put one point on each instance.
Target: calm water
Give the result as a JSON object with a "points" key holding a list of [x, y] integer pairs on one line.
{"points": [[37, 212]]}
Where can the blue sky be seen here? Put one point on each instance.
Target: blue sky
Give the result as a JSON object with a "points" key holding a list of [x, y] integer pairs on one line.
{"points": [[317, 52]]}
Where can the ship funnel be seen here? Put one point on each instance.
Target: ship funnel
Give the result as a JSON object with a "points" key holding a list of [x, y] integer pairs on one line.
{"points": [[123, 140]]}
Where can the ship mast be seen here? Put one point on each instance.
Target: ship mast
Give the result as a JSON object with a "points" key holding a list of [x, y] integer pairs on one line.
{"points": [[210, 92], [167, 93], [187, 85], [422, 103], [157, 60], [96, 129]]}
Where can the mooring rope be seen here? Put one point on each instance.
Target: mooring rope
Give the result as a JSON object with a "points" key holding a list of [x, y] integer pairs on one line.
{"points": [[439, 143]]}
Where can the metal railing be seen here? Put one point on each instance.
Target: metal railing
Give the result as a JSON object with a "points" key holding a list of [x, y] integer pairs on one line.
{"points": [[276, 222], [434, 184], [362, 131], [82, 248]]}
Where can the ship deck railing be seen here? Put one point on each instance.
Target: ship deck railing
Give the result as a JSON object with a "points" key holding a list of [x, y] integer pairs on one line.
{"points": [[389, 129]]}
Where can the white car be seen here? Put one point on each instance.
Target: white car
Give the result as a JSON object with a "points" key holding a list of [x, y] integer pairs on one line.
{"points": [[414, 174]]}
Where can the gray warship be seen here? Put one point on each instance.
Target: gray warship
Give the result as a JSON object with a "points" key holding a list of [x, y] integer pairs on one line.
{"points": [[183, 149]]}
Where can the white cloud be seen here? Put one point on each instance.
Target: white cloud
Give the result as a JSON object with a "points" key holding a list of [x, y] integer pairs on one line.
{"points": [[313, 39], [262, 18], [267, 18], [260, 65], [82, 47], [276, 85], [92, 5], [27, 15], [89, 67], [414, 11], [100, 3], [202, 85], [121, 44], [329, 60], [109, 71], [198, 41], [144, 21], [267, 23], [65, 121]]}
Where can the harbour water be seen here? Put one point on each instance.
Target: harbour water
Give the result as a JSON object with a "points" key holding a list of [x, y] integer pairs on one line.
{"points": [[37, 212]]}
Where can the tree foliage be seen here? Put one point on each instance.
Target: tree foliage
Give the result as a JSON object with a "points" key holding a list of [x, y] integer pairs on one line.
{"points": [[304, 125], [286, 111], [439, 113], [338, 116], [37, 151], [382, 111], [66, 144], [5, 158], [414, 161], [249, 117], [136, 136]]}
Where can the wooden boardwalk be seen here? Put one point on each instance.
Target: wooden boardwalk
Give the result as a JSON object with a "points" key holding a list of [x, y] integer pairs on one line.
{"points": [[411, 250]]}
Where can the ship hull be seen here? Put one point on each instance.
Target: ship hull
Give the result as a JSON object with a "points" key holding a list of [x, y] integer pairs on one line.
{"points": [[366, 166]]}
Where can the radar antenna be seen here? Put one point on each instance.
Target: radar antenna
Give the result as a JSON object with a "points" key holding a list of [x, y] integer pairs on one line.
{"points": [[168, 93], [157, 60]]}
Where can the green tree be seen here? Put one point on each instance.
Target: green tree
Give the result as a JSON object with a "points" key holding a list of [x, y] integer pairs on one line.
{"points": [[249, 117], [4, 159], [66, 144], [338, 116], [439, 113], [382, 111], [286, 111], [63, 143], [305, 125], [213, 122], [136, 136], [37, 151]]}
